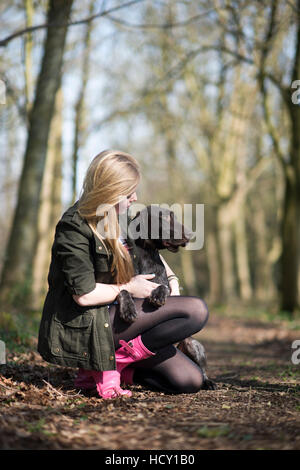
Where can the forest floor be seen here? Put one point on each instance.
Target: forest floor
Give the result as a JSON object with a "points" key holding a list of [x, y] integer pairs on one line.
{"points": [[256, 404]]}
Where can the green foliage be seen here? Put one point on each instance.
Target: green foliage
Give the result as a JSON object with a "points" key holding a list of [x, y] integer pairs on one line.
{"points": [[36, 426], [7, 322], [211, 432], [290, 372], [17, 330], [247, 437], [19, 294], [257, 312]]}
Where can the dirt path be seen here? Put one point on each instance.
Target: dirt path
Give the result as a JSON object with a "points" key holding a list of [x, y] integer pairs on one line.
{"points": [[256, 405]]}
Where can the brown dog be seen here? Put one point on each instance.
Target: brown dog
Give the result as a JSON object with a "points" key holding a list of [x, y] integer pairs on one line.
{"points": [[169, 234]]}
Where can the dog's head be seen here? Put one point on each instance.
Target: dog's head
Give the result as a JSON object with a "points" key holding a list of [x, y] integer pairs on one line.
{"points": [[159, 228]]}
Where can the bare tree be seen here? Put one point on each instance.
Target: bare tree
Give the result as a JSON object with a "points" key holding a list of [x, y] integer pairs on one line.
{"points": [[50, 206], [290, 161], [80, 104], [17, 271], [29, 9]]}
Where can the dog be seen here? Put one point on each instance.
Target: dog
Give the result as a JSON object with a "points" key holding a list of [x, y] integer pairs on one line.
{"points": [[196, 352], [170, 234]]}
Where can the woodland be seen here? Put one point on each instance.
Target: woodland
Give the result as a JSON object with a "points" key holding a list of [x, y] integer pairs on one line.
{"points": [[206, 96]]}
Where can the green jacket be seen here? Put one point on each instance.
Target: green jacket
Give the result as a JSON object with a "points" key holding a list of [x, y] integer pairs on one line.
{"points": [[71, 335]]}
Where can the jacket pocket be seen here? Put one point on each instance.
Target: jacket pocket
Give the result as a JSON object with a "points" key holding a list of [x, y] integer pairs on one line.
{"points": [[71, 335]]}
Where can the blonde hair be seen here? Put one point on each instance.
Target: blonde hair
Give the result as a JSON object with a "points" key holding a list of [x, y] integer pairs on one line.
{"points": [[111, 176]]}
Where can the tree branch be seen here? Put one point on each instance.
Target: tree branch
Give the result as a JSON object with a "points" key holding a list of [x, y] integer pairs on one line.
{"points": [[161, 26], [21, 32], [261, 80], [271, 128]]}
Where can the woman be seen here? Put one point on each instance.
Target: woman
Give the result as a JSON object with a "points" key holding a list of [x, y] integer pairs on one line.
{"points": [[80, 325]]}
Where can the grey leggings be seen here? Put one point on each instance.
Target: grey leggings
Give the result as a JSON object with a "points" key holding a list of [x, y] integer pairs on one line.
{"points": [[160, 327]]}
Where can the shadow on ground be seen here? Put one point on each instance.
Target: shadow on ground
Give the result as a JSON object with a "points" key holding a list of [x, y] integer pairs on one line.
{"points": [[256, 404]]}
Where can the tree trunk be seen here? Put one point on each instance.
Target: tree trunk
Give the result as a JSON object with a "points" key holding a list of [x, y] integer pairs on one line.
{"points": [[50, 206], [214, 263], [290, 246], [17, 272], [175, 184], [291, 215], [224, 219], [188, 272], [242, 260], [263, 285], [29, 8], [79, 119]]}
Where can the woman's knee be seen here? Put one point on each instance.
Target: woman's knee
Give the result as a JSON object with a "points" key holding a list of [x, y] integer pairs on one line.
{"points": [[198, 311], [191, 383]]}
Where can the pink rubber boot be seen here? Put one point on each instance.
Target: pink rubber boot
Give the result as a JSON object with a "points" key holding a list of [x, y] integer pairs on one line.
{"points": [[130, 352], [133, 351], [105, 382], [108, 382]]}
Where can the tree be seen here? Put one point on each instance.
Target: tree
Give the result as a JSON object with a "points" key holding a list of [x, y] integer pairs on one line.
{"points": [[290, 160], [50, 206], [17, 270], [80, 104]]}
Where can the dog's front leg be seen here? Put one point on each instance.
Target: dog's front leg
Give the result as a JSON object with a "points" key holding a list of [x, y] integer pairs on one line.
{"points": [[158, 295], [127, 310]]}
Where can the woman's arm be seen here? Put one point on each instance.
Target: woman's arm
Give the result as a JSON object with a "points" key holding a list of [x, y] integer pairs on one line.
{"points": [[139, 286], [102, 294], [174, 284]]}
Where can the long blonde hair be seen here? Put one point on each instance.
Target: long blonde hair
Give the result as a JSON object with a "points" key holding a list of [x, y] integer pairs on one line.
{"points": [[111, 176]]}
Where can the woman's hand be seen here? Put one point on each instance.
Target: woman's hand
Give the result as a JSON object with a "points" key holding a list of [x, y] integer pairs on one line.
{"points": [[139, 286]]}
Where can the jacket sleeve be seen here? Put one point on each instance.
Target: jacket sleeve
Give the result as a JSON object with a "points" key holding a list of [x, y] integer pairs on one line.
{"points": [[75, 260]]}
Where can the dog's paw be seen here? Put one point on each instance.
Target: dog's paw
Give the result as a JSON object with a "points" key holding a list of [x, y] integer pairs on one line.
{"points": [[127, 310], [209, 385], [194, 350], [159, 295], [129, 314]]}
